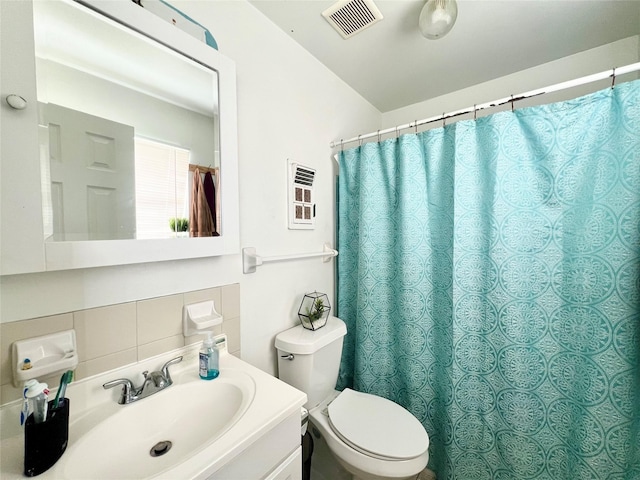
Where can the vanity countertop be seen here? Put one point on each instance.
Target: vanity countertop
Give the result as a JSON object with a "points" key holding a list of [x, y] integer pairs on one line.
{"points": [[274, 401]]}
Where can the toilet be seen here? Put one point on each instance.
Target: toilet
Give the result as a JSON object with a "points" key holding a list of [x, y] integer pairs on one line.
{"points": [[373, 438]]}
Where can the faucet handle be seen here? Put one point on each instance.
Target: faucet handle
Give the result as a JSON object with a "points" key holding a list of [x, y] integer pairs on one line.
{"points": [[165, 368], [127, 389]]}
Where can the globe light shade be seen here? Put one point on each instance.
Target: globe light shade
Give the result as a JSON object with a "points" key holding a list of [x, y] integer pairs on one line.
{"points": [[437, 18]]}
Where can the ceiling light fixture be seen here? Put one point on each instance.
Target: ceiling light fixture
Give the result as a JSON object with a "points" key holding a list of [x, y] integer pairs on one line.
{"points": [[437, 18]]}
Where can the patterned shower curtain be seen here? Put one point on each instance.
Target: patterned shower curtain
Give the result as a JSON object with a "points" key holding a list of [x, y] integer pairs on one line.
{"points": [[489, 277]]}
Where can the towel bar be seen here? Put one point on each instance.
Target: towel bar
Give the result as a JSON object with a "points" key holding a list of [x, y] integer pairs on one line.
{"points": [[251, 260]]}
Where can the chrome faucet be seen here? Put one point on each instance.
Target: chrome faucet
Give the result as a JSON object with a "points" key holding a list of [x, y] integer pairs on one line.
{"points": [[153, 383]]}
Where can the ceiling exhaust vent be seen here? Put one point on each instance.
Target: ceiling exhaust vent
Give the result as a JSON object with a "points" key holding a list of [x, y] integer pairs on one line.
{"points": [[349, 17]]}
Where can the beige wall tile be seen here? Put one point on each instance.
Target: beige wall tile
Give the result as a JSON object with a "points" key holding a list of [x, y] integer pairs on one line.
{"points": [[8, 393], [10, 332], [232, 328], [160, 346], [159, 318], [105, 330], [214, 294], [199, 338], [231, 301], [118, 335], [106, 363]]}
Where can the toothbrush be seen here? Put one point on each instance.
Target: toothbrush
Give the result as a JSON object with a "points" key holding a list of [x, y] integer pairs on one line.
{"points": [[25, 405], [66, 378], [25, 410]]}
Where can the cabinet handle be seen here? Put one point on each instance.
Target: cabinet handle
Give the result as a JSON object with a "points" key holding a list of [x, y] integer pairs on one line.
{"points": [[16, 102]]}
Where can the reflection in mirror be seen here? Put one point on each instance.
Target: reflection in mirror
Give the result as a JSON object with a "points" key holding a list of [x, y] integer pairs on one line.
{"points": [[125, 142]]}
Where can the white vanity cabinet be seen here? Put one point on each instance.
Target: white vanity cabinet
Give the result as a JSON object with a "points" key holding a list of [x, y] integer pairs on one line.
{"points": [[290, 469], [275, 456], [261, 442]]}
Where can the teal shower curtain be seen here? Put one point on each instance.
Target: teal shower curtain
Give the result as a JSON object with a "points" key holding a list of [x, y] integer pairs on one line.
{"points": [[489, 277]]}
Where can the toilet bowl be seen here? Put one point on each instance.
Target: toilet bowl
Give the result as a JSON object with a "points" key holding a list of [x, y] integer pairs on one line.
{"points": [[378, 440], [371, 437]]}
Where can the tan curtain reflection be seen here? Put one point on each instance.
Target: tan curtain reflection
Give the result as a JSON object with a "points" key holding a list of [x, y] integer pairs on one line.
{"points": [[200, 218]]}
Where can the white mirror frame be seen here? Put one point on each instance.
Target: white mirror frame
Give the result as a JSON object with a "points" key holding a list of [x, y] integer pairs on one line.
{"points": [[23, 249]]}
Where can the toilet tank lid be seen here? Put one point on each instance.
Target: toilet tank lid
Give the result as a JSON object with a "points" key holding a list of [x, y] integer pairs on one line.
{"points": [[304, 342]]}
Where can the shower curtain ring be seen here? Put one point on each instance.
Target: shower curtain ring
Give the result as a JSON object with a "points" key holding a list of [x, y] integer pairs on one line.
{"points": [[613, 78], [512, 102], [415, 124], [475, 112], [341, 145], [444, 123], [360, 140], [378, 136], [397, 135]]}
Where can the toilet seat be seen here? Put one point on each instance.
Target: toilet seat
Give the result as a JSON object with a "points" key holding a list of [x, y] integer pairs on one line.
{"points": [[377, 427]]}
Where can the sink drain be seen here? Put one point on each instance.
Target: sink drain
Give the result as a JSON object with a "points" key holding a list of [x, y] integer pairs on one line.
{"points": [[160, 448]]}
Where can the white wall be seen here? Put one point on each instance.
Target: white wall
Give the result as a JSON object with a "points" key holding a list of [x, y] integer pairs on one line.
{"points": [[600, 59], [289, 106]]}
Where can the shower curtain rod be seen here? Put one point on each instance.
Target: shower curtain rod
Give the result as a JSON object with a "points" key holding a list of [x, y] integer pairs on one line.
{"points": [[613, 73]]}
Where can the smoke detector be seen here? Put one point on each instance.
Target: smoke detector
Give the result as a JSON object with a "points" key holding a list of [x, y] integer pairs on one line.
{"points": [[349, 17]]}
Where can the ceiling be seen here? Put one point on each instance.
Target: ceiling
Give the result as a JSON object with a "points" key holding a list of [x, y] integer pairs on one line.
{"points": [[392, 65]]}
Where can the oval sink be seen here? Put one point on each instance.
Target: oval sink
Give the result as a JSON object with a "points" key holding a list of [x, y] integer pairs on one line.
{"points": [[145, 438]]}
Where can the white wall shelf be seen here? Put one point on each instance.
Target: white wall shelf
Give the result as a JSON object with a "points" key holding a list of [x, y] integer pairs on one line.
{"points": [[199, 318], [48, 355]]}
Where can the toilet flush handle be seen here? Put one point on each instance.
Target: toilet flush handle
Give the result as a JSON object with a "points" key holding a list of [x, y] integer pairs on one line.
{"points": [[288, 357]]}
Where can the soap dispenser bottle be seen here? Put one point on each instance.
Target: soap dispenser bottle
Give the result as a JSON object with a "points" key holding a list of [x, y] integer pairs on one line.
{"points": [[209, 359]]}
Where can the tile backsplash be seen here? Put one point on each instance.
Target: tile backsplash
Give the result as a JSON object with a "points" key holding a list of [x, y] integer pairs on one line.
{"points": [[116, 335]]}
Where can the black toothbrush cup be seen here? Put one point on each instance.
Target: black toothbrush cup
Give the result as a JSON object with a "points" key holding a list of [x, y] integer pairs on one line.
{"points": [[45, 442]]}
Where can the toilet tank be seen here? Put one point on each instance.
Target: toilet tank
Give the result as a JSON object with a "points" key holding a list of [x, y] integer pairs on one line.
{"points": [[310, 359]]}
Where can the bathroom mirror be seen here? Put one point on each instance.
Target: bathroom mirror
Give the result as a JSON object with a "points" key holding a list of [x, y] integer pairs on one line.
{"points": [[124, 118], [129, 110]]}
